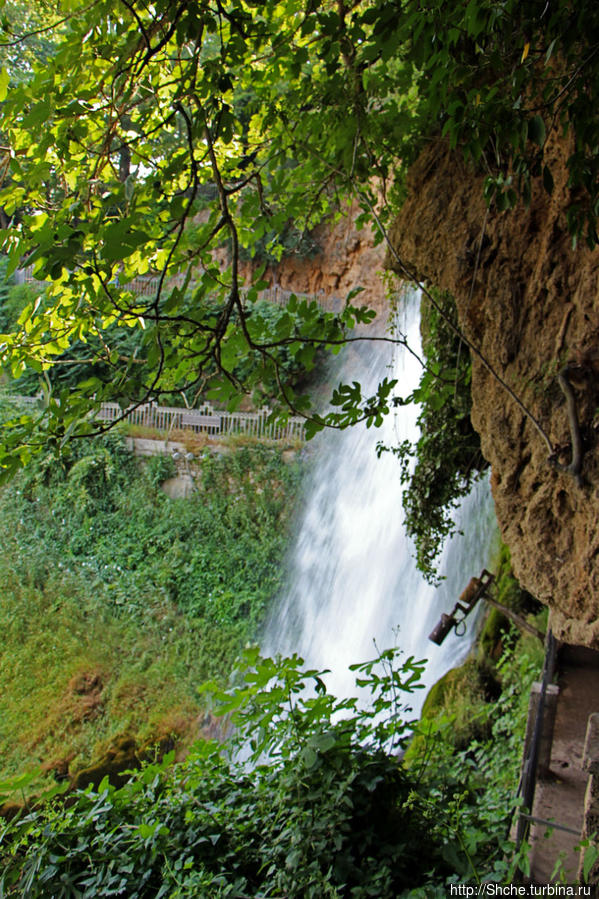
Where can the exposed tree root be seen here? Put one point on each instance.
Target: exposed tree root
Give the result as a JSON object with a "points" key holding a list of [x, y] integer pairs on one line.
{"points": [[575, 466]]}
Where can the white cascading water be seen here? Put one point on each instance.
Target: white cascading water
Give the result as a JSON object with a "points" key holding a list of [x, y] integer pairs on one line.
{"points": [[352, 579]]}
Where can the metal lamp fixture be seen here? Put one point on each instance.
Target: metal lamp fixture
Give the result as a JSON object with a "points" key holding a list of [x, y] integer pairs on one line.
{"points": [[478, 588], [456, 620]]}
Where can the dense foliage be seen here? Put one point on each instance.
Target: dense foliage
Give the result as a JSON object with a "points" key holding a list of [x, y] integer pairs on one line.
{"points": [[216, 554], [324, 807], [106, 581], [26, 41], [83, 359], [156, 138], [156, 134]]}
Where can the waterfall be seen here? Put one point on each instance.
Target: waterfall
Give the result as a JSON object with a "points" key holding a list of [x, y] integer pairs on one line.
{"points": [[352, 580]]}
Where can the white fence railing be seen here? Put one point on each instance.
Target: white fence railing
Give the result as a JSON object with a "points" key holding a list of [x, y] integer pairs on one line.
{"points": [[147, 285], [207, 420]]}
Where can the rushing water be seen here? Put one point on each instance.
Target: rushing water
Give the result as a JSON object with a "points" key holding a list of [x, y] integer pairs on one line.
{"points": [[352, 579]]}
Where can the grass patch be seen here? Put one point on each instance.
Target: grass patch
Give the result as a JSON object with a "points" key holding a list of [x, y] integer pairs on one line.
{"points": [[74, 677], [196, 441], [117, 602]]}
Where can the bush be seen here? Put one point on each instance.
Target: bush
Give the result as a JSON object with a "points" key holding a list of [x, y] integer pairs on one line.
{"points": [[309, 799], [102, 572], [216, 554], [159, 469], [324, 809]]}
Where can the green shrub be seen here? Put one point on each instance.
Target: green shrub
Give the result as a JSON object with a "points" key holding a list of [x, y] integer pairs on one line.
{"points": [[309, 799], [216, 554], [159, 469], [462, 695], [157, 594], [323, 811]]}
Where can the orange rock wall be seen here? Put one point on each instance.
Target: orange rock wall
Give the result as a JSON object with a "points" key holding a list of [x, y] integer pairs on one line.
{"points": [[347, 259]]}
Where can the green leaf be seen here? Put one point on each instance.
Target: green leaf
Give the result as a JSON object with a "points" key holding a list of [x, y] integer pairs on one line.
{"points": [[121, 239], [324, 742], [591, 854], [19, 782], [309, 757], [536, 130], [4, 82]]}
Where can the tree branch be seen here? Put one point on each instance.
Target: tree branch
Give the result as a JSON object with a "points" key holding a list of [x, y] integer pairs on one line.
{"points": [[44, 28]]}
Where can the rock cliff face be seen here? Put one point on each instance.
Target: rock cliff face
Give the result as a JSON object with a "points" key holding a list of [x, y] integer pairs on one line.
{"points": [[347, 258], [531, 306]]}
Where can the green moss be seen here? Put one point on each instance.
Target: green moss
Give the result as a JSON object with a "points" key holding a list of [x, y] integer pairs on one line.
{"points": [[507, 588], [459, 707], [490, 642], [461, 700], [437, 695], [117, 602], [123, 755], [507, 591], [120, 758]]}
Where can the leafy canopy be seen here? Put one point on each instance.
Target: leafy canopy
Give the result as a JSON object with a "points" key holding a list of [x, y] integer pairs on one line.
{"points": [[155, 136]]}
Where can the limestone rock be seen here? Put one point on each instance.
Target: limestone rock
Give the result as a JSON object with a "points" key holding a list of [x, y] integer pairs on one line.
{"points": [[531, 306], [347, 259]]}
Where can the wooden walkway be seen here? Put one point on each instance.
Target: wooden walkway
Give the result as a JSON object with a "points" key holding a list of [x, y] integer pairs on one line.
{"points": [[209, 421], [560, 796]]}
